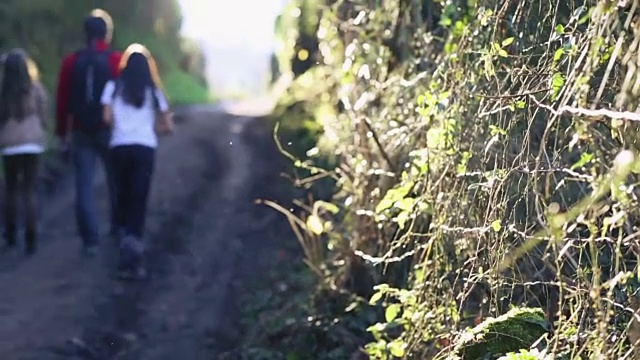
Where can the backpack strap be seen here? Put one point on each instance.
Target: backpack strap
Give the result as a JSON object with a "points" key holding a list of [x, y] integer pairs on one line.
{"points": [[116, 87]]}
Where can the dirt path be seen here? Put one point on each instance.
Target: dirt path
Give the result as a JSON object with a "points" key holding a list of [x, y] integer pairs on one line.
{"points": [[206, 237]]}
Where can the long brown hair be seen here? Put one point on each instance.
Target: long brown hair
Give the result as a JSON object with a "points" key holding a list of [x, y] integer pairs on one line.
{"points": [[138, 72], [20, 73]]}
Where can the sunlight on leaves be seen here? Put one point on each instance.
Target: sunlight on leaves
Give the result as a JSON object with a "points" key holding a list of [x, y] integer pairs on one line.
{"points": [[314, 224]]}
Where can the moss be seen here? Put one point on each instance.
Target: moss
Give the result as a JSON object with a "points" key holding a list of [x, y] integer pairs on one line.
{"points": [[517, 329]]}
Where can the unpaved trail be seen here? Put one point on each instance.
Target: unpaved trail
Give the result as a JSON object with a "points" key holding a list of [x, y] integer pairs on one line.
{"points": [[206, 236]]}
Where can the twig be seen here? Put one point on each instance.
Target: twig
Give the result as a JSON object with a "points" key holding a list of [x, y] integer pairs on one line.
{"points": [[599, 113], [296, 225], [511, 96], [291, 156], [383, 152], [310, 179]]}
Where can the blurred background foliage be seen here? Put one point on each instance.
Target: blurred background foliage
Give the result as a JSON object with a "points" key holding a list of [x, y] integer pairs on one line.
{"points": [[49, 30]]}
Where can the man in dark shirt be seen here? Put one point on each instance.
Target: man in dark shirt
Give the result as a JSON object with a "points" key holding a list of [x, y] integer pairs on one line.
{"points": [[79, 119]]}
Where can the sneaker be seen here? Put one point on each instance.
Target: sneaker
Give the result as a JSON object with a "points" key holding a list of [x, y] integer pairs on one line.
{"points": [[131, 250], [133, 274], [116, 234], [30, 239], [131, 257], [10, 239], [90, 251], [30, 249]]}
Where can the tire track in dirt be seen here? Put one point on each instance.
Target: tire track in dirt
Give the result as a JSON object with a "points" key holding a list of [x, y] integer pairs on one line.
{"points": [[201, 318]]}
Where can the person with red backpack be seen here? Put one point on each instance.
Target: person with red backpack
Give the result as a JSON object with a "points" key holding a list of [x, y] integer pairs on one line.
{"points": [[79, 124]]}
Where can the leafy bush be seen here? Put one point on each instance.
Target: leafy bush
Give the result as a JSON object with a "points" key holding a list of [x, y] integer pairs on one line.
{"points": [[486, 156]]}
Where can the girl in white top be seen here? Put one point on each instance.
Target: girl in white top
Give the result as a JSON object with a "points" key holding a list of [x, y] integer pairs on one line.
{"points": [[131, 105]]}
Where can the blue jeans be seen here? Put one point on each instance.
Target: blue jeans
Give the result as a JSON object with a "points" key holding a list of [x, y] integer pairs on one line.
{"points": [[87, 150]]}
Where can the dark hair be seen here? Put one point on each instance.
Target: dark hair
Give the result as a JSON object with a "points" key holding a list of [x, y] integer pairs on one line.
{"points": [[98, 25], [138, 75], [16, 85]]}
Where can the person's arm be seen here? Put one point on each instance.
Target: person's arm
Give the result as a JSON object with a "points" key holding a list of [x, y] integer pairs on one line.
{"points": [[164, 123], [63, 116], [107, 114], [106, 100]]}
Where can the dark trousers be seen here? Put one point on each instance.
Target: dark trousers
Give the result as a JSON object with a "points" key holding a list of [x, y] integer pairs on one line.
{"points": [[133, 169], [20, 172], [87, 151]]}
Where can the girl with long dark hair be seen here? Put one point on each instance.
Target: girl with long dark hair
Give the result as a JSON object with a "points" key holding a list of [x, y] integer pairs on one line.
{"points": [[131, 105], [23, 102]]}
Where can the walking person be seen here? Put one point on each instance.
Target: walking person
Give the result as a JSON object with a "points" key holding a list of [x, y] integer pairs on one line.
{"points": [[82, 78], [23, 103], [132, 103]]}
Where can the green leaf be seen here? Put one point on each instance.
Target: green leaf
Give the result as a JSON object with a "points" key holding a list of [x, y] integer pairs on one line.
{"points": [[376, 328], [397, 348], [502, 53], [557, 83], [384, 204], [585, 158], [314, 224], [402, 218], [488, 68], [586, 17], [497, 131], [351, 307], [558, 54], [332, 208], [560, 29], [445, 21], [507, 41], [391, 312], [392, 196], [419, 274], [496, 225], [376, 297], [405, 204], [462, 166]]}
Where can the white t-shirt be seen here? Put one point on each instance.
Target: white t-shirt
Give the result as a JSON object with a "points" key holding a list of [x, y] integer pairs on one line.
{"points": [[23, 149], [131, 125]]}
